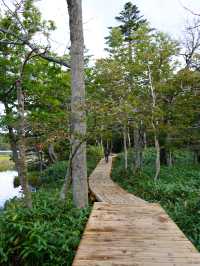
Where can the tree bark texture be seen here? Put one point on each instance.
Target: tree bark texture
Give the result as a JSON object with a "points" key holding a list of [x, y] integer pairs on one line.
{"points": [[78, 115], [22, 167]]}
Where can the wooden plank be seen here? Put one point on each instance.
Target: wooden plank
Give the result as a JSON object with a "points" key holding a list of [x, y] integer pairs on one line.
{"points": [[124, 230], [106, 190]]}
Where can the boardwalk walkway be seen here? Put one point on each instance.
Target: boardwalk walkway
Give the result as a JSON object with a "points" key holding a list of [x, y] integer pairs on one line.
{"points": [[124, 230]]}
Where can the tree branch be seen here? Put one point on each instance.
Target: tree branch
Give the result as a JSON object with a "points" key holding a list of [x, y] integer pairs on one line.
{"points": [[23, 40]]}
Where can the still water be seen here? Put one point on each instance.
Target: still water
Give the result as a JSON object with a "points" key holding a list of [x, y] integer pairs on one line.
{"points": [[7, 190]]}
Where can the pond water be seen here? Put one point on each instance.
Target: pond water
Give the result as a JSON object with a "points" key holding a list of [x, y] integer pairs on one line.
{"points": [[7, 190]]}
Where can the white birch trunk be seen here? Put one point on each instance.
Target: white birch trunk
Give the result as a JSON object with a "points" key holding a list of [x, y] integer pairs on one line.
{"points": [[125, 148], [154, 125]]}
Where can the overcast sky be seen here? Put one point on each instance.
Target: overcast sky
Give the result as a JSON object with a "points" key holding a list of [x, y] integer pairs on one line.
{"points": [[166, 15]]}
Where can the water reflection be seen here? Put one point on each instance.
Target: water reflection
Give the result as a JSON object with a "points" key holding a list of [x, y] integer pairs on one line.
{"points": [[7, 190]]}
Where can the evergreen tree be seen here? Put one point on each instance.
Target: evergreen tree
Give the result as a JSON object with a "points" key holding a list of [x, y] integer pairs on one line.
{"points": [[130, 20]]}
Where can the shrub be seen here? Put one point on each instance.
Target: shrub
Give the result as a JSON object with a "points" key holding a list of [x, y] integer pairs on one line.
{"points": [[94, 154], [54, 173], [48, 234]]}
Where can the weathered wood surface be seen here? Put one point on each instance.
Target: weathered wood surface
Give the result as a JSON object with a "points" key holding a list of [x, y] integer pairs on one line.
{"points": [[124, 230], [105, 190]]}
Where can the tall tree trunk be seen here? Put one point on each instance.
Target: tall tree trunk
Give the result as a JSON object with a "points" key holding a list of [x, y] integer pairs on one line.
{"points": [[169, 159], [22, 167], [137, 150], [129, 138], [67, 181], [78, 116], [51, 153], [154, 125], [125, 148], [145, 140], [157, 147]]}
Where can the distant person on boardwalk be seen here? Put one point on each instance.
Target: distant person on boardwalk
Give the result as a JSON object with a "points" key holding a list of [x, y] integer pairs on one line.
{"points": [[106, 154]]}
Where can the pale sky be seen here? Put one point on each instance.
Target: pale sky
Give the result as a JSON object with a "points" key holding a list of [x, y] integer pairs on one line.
{"points": [[166, 15]]}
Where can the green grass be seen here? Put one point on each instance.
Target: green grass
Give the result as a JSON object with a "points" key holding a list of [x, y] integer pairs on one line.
{"points": [[6, 163], [177, 190]]}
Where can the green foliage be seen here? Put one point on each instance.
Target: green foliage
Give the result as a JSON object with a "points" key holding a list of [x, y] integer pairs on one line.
{"points": [[131, 19], [54, 173], [94, 154], [6, 163], [4, 143], [177, 190], [48, 234]]}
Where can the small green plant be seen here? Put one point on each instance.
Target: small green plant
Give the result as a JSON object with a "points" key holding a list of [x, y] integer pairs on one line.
{"points": [[48, 234]]}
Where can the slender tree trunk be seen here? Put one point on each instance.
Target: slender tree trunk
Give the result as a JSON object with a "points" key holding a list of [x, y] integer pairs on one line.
{"points": [[67, 181], [137, 150], [78, 116], [169, 159], [154, 125], [52, 154], [157, 147], [125, 148], [22, 167], [129, 138], [145, 140]]}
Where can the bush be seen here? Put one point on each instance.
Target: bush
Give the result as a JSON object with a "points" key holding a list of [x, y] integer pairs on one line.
{"points": [[48, 234], [54, 173], [94, 154]]}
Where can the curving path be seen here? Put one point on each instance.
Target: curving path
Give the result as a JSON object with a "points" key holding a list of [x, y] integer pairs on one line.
{"points": [[124, 230]]}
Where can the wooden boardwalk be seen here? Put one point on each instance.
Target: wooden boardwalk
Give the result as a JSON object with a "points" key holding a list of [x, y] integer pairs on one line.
{"points": [[126, 230]]}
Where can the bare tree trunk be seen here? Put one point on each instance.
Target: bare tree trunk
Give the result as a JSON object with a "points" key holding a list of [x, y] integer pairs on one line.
{"points": [[22, 167], [137, 150], [78, 116], [169, 159], [67, 181], [145, 140], [52, 154], [157, 147], [125, 148], [129, 138], [154, 125]]}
